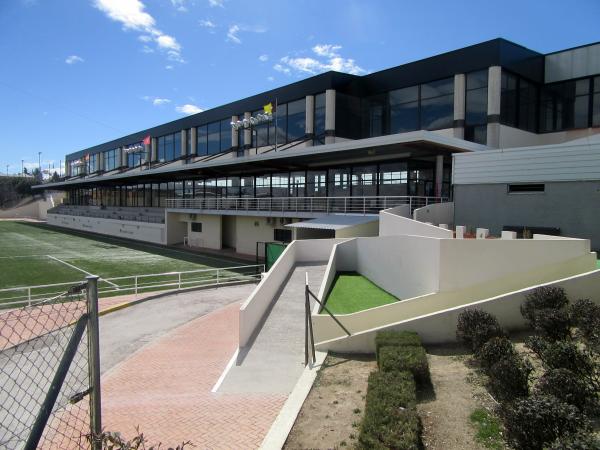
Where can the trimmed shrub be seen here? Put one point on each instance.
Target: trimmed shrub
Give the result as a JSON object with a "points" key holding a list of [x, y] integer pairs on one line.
{"points": [[406, 358], [535, 422], [536, 344], [566, 355], [390, 420], [396, 338], [494, 350], [476, 327], [576, 441], [554, 324], [585, 315], [509, 378], [567, 387], [545, 310]]}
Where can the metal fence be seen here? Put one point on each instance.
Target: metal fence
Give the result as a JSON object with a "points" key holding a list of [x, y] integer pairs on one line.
{"points": [[137, 284], [49, 372], [326, 205]]}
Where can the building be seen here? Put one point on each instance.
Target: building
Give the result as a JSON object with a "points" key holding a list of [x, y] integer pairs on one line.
{"points": [[335, 144]]}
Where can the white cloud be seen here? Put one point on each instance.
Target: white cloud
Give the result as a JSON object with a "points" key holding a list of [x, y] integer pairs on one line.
{"points": [[146, 49], [326, 58], [263, 58], [271, 78], [169, 67], [179, 5], [132, 15], [73, 59], [232, 32], [207, 23], [156, 101], [188, 109], [215, 3]]}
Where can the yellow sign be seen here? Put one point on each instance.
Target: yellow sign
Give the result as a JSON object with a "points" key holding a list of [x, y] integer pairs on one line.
{"points": [[268, 108]]}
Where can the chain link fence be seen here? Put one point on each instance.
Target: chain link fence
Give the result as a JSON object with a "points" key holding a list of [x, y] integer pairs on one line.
{"points": [[45, 373]]}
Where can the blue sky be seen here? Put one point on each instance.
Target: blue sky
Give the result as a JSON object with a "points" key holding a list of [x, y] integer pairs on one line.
{"points": [[77, 73]]}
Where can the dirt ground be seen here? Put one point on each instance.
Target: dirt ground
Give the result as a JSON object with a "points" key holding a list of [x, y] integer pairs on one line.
{"points": [[331, 415], [457, 392]]}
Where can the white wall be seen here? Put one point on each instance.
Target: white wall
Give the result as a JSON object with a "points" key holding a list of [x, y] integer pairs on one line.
{"points": [[436, 213], [177, 227], [141, 231], [36, 209], [250, 230], [391, 224], [210, 237], [365, 229]]}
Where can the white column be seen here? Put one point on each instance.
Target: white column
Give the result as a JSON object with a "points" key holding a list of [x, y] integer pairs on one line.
{"points": [[194, 140], [439, 174], [234, 133], [153, 150], [247, 131], [310, 119], [493, 112], [329, 116], [183, 142], [120, 157], [100, 161], [67, 168], [459, 105]]}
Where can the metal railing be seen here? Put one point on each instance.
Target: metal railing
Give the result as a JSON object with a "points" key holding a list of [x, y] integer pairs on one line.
{"points": [[17, 297], [108, 213], [327, 205]]}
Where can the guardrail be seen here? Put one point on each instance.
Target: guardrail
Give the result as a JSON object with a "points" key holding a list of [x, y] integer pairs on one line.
{"points": [[101, 214], [327, 205], [136, 284]]}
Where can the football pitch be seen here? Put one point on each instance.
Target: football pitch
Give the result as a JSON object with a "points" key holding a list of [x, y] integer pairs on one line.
{"points": [[33, 254]]}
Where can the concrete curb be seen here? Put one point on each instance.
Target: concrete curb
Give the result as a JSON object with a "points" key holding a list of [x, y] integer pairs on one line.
{"points": [[279, 431]]}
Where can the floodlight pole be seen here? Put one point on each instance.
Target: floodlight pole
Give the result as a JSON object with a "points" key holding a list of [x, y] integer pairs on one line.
{"points": [[276, 131]]}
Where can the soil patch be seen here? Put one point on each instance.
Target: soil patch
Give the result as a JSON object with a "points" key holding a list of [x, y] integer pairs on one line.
{"points": [[333, 410]]}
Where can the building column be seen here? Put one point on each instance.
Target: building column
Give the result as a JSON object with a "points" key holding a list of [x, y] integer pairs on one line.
{"points": [[247, 132], [120, 160], [183, 143], [67, 168], [493, 111], [459, 105], [310, 120], [329, 116], [153, 150], [439, 174], [194, 140], [234, 134], [100, 161]]}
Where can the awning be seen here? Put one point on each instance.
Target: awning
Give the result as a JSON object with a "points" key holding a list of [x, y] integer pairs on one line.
{"points": [[335, 221]]}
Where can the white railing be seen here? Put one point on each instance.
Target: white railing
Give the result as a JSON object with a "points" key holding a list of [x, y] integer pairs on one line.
{"points": [[327, 205], [136, 284]]}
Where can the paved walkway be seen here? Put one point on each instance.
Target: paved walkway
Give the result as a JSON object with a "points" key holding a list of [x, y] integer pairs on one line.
{"points": [[165, 388], [274, 361]]}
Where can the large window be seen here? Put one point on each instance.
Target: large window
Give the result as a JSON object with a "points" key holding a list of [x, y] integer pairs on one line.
{"points": [[247, 187], [225, 134], [319, 119], [169, 147], [296, 120], [404, 110], [202, 140], [364, 180], [437, 104], [339, 182], [281, 116], [518, 102], [316, 183], [565, 105], [375, 114], [298, 184], [596, 103], [135, 159], [110, 159], [393, 178], [214, 138], [263, 186], [476, 106], [280, 184], [92, 163]]}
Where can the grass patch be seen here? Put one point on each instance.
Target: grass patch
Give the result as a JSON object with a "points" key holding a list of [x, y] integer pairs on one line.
{"points": [[489, 429], [352, 292]]}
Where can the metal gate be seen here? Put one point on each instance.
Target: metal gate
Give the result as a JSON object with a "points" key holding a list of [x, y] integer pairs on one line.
{"points": [[50, 372]]}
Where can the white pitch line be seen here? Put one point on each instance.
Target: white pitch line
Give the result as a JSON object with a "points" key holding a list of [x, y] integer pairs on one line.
{"points": [[81, 270], [227, 369]]}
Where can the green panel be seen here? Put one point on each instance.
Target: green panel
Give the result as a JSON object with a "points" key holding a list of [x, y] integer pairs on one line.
{"points": [[273, 251]]}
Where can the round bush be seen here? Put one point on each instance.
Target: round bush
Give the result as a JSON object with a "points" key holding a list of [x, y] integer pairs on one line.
{"points": [[535, 422], [554, 324], [585, 315], [509, 378], [494, 350], [566, 355], [476, 327], [545, 311], [576, 441], [568, 387]]}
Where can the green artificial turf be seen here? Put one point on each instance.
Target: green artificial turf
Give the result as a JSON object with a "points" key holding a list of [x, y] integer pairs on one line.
{"points": [[598, 263], [351, 292], [27, 253]]}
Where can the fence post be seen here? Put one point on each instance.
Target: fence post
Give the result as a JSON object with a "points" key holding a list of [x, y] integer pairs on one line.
{"points": [[217, 276], [29, 296], [179, 280], [94, 361], [135, 285]]}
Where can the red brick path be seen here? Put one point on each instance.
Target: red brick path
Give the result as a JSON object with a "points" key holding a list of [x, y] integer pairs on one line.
{"points": [[165, 388]]}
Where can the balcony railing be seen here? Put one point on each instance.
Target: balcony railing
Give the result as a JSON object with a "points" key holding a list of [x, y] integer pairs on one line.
{"points": [[326, 205]]}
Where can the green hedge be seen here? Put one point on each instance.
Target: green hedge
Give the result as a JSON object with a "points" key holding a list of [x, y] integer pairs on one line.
{"points": [[395, 339], [391, 420], [406, 358]]}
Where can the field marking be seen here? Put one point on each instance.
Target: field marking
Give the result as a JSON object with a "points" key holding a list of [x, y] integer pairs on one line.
{"points": [[81, 270], [226, 371]]}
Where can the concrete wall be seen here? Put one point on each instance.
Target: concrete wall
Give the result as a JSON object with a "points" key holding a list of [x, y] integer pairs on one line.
{"points": [[440, 326], [571, 206], [436, 213], [250, 230], [365, 229], [393, 224], [140, 231], [312, 233], [230, 234], [210, 237], [514, 137], [36, 209], [177, 228]]}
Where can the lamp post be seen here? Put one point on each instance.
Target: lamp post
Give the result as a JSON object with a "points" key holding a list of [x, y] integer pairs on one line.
{"points": [[22, 167], [40, 163]]}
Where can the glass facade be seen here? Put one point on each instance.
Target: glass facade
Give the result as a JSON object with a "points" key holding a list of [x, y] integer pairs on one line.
{"points": [[476, 106], [566, 105], [92, 163], [319, 119], [169, 147], [110, 159], [518, 102]]}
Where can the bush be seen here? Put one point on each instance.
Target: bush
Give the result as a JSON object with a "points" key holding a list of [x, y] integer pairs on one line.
{"points": [[407, 358], [390, 420], [114, 441], [476, 327], [576, 441], [537, 345], [585, 315], [535, 422], [509, 378], [545, 311], [566, 355], [396, 338], [567, 387], [494, 350]]}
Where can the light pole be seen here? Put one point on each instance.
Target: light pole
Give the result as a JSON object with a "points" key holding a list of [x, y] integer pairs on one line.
{"points": [[40, 164], [22, 167]]}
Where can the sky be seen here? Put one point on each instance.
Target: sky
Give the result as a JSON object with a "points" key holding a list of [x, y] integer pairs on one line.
{"points": [[77, 73]]}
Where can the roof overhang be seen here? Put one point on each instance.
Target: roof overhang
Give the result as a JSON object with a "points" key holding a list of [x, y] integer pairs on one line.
{"points": [[335, 221], [412, 144]]}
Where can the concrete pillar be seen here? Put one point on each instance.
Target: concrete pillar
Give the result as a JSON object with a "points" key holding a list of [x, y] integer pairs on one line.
{"points": [[153, 150], [100, 163], [459, 105], [482, 233], [183, 143], [509, 235], [234, 133], [460, 232], [194, 140], [247, 132], [310, 119], [439, 174], [493, 112], [120, 160], [329, 116]]}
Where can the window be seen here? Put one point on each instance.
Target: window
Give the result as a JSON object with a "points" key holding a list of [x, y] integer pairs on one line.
{"points": [[437, 104], [364, 180], [188, 142], [135, 159], [282, 235], [214, 138], [110, 159], [319, 119], [199, 189], [202, 140], [565, 105], [393, 178], [196, 227], [169, 147], [92, 163], [525, 188], [260, 134], [280, 184], [296, 120], [404, 110], [316, 184], [518, 102], [226, 139], [596, 103], [233, 187], [375, 115], [298, 184], [263, 186], [281, 115], [476, 106], [247, 187], [339, 182]]}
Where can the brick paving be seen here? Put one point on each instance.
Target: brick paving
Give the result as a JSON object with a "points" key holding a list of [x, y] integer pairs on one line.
{"points": [[165, 389]]}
